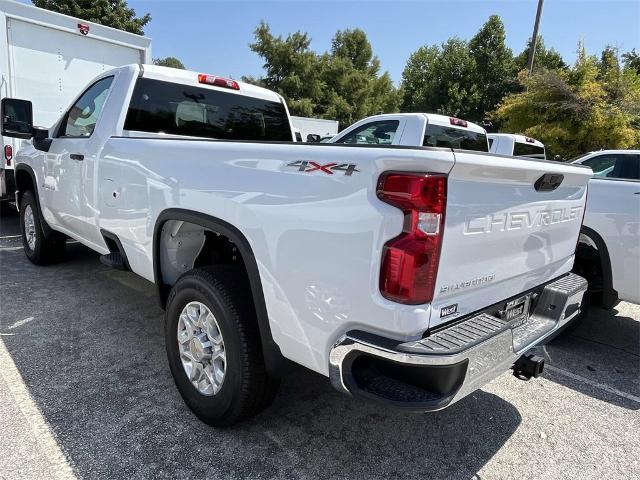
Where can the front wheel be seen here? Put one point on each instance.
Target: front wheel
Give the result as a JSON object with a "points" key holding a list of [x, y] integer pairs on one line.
{"points": [[214, 348], [39, 248]]}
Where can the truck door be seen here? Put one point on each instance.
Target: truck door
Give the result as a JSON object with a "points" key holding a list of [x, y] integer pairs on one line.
{"points": [[72, 162]]}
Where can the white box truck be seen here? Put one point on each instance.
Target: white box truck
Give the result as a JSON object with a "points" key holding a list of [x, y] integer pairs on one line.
{"points": [[313, 126], [47, 57]]}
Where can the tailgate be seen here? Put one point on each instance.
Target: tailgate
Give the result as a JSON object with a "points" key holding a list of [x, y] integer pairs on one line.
{"points": [[503, 234]]}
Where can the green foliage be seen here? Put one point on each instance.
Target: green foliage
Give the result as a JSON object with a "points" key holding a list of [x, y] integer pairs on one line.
{"points": [[632, 60], [544, 58], [172, 62], [343, 84], [440, 80], [112, 13], [465, 79], [594, 104], [494, 66]]}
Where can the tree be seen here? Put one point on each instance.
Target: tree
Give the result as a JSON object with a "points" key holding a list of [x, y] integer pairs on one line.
{"points": [[354, 46], [291, 68], [632, 60], [586, 107], [343, 84], [544, 58], [466, 79], [441, 80], [172, 62], [112, 13], [494, 66]]}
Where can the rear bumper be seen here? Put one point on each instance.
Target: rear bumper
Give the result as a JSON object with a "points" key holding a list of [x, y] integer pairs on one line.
{"points": [[447, 365]]}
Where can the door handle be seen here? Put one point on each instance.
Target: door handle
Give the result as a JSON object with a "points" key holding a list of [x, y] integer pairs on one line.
{"points": [[77, 156]]}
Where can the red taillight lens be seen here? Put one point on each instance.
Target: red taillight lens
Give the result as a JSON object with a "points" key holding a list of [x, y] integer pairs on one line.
{"points": [[8, 154], [218, 81], [458, 122], [410, 261]]}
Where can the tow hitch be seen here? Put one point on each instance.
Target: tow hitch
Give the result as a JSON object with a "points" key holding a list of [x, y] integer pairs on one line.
{"points": [[528, 366]]}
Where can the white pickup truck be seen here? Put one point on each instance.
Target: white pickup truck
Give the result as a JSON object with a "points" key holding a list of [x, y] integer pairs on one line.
{"points": [[415, 129], [516, 145], [409, 275], [608, 253]]}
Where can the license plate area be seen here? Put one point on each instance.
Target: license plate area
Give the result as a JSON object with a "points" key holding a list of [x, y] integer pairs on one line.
{"points": [[516, 311]]}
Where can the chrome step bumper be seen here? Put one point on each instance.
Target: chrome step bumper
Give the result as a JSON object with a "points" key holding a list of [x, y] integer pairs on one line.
{"points": [[440, 369]]}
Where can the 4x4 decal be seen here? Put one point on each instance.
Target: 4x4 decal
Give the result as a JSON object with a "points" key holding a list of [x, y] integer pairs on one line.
{"points": [[328, 168]]}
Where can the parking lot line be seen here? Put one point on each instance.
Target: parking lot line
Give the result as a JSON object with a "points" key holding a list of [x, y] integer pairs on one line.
{"points": [[59, 466], [19, 323], [601, 386]]}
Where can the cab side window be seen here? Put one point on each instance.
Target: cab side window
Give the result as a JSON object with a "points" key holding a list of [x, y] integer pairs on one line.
{"points": [[374, 133], [601, 164], [621, 166], [81, 119], [627, 167]]}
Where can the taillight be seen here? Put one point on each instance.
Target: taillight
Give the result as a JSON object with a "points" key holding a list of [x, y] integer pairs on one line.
{"points": [[410, 261], [8, 154], [218, 81], [458, 122]]}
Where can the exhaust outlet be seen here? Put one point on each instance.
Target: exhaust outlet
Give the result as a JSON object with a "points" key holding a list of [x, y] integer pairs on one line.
{"points": [[528, 366]]}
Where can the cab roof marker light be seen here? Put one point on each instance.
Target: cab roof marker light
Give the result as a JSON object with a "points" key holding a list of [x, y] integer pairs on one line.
{"points": [[218, 81], [458, 122]]}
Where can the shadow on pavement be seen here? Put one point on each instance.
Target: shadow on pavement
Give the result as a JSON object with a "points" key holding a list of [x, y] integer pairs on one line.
{"points": [[88, 343], [605, 351]]}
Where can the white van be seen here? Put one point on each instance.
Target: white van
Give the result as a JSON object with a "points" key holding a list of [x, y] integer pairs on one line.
{"points": [[516, 145], [313, 126], [47, 58]]}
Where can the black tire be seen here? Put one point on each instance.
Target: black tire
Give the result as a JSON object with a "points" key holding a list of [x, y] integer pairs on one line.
{"points": [[47, 249], [247, 388]]}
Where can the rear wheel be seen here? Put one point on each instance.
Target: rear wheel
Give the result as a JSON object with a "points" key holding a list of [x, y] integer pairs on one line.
{"points": [[40, 249], [214, 348]]}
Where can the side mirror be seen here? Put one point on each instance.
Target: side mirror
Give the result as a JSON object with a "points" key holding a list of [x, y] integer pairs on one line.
{"points": [[17, 118], [313, 138]]}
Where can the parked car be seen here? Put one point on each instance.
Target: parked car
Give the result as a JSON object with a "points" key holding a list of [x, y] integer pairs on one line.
{"points": [[516, 145], [48, 57], [608, 253], [415, 129], [411, 276]]}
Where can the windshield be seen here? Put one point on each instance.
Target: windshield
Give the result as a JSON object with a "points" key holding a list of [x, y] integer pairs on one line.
{"points": [[451, 137]]}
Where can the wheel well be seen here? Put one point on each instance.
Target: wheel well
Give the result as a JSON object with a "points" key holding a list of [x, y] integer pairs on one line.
{"points": [[24, 182], [593, 263], [185, 245], [184, 240]]}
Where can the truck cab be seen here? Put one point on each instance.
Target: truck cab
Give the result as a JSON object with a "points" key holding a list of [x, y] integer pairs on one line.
{"points": [[516, 145], [415, 129]]}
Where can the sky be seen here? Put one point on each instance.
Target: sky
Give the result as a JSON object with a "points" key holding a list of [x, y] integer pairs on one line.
{"points": [[212, 36]]}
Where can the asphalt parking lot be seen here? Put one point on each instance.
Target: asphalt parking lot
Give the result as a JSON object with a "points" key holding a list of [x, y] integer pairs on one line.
{"points": [[85, 391]]}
